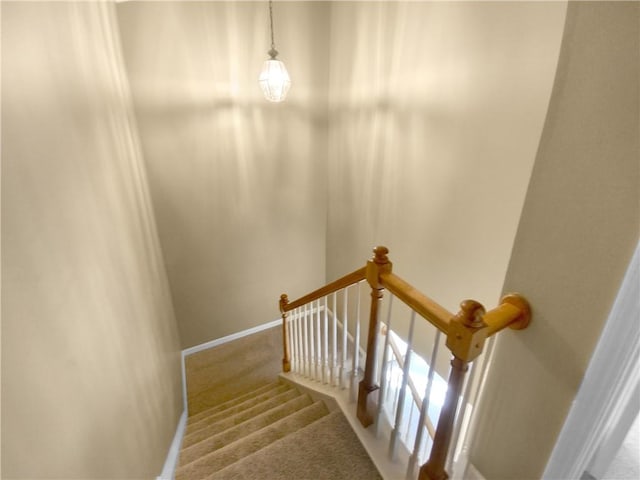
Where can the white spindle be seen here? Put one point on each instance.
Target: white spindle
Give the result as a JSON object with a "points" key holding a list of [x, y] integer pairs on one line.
{"points": [[389, 380], [299, 338], [345, 324], [325, 343], [411, 410], [318, 343], [393, 442], [300, 361], [424, 410], [290, 317], [334, 340], [396, 386], [292, 340], [383, 370], [312, 343], [356, 349], [305, 340]]}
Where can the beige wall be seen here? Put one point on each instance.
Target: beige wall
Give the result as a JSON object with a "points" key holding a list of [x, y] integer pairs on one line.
{"points": [[436, 111], [90, 351], [238, 184], [577, 233]]}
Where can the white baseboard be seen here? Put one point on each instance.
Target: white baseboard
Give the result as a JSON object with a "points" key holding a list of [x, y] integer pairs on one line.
{"points": [[230, 338], [171, 462], [472, 473]]}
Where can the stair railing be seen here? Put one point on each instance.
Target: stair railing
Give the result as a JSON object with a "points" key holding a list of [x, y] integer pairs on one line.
{"points": [[466, 333]]}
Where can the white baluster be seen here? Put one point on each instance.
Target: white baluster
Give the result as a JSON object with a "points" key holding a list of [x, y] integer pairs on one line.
{"points": [[334, 341], [411, 410], [318, 343], [290, 317], [325, 343], [345, 324], [356, 350], [424, 410], [292, 339], [312, 343], [383, 370], [393, 442], [389, 379], [294, 333], [305, 340], [299, 360]]}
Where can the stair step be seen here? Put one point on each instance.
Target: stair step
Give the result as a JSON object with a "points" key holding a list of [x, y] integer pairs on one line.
{"points": [[216, 441], [231, 453], [330, 437], [221, 423], [238, 407], [239, 399]]}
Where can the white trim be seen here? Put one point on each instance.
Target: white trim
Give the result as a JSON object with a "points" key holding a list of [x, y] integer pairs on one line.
{"points": [[607, 385], [375, 448], [230, 338], [472, 473], [171, 462]]}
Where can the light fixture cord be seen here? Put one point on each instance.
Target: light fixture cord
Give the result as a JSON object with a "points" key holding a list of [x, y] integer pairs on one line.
{"points": [[273, 52]]}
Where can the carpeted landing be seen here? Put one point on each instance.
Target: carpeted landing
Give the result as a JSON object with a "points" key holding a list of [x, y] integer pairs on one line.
{"points": [[273, 432]]}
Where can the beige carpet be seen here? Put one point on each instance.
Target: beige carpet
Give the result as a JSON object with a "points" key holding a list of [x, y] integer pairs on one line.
{"points": [[255, 427], [221, 373]]}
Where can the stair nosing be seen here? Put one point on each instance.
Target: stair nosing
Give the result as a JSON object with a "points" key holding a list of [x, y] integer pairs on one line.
{"points": [[211, 426], [299, 398], [198, 425], [234, 401], [230, 446]]}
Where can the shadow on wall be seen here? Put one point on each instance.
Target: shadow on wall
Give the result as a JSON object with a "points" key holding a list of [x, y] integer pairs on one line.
{"points": [[238, 183], [436, 111], [90, 349]]}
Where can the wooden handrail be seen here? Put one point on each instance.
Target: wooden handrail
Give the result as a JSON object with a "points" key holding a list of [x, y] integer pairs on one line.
{"points": [[513, 312], [466, 332], [339, 284], [420, 303]]}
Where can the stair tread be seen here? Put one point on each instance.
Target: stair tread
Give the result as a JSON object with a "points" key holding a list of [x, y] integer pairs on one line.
{"points": [[329, 437], [215, 416], [234, 401], [223, 423], [237, 450], [236, 432]]}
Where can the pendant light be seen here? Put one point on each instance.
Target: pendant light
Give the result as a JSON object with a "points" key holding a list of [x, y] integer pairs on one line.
{"points": [[274, 78]]}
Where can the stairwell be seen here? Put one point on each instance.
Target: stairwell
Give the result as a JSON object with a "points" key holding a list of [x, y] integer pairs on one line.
{"points": [[268, 431]]}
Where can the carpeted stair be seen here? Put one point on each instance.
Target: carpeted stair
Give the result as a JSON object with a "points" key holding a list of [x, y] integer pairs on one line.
{"points": [[273, 432]]}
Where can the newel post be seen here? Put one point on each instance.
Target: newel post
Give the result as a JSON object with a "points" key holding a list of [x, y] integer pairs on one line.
{"points": [[286, 362], [465, 338], [368, 389]]}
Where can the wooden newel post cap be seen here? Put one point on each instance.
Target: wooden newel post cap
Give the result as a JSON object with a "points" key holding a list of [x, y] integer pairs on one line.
{"points": [[471, 313], [380, 255], [284, 300]]}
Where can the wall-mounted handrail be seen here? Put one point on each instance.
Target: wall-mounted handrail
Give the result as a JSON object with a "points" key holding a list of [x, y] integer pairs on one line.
{"points": [[513, 312]]}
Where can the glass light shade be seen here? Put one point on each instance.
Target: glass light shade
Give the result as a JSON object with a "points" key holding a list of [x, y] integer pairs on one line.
{"points": [[274, 80]]}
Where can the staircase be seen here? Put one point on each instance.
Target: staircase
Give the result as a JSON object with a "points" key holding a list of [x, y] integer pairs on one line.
{"points": [[273, 432]]}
